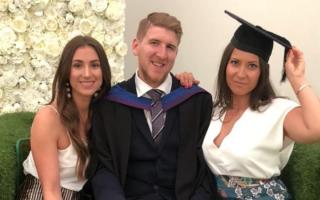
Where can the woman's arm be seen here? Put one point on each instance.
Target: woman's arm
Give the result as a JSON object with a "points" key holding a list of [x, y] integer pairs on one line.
{"points": [[44, 146], [302, 124]]}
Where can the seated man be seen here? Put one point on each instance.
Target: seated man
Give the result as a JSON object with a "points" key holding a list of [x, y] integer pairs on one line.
{"points": [[147, 134]]}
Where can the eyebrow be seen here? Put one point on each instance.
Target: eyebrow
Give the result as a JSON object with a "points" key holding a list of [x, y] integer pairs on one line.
{"points": [[78, 60]]}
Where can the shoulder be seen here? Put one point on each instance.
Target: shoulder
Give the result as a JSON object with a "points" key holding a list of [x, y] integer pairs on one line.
{"points": [[47, 114], [46, 123], [282, 104]]}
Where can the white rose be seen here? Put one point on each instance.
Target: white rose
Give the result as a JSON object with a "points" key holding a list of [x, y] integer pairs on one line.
{"points": [[51, 24], [8, 109], [1, 93], [63, 23], [29, 73], [44, 71], [39, 5], [112, 40], [3, 61], [69, 18], [7, 38], [10, 79], [74, 33], [61, 8], [17, 59], [17, 107], [87, 13], [20, 70], [38, 13], [76, 5], [22, 83], [26, 3], [12, 8], [99, 5], [19, 24], [20, 45], [52, 11], [121, 49], [115, 10], [116, 78], [85, 26], [43, 87], [7, 68], [98, 35], [52, 44], [3, 5], [32, 99]]}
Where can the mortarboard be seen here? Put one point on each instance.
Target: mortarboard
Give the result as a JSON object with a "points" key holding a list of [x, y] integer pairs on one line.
{"points": [[257, 40]]}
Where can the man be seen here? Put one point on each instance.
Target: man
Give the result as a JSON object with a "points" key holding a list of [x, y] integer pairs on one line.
{"points": [[151, 149]]}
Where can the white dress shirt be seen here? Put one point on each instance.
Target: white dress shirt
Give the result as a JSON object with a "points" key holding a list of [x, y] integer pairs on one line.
{"points": [[142, 88]]}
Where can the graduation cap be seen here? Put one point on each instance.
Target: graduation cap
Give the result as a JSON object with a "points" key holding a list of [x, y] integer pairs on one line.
{"points": [[256, 40]]}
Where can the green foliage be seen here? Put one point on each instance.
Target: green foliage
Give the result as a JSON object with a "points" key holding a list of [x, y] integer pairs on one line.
{"points": [[12, 127], [302, 174]]}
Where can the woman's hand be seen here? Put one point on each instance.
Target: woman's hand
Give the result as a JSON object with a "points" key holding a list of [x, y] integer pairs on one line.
{"points": [[186, 79], [295, 68]]}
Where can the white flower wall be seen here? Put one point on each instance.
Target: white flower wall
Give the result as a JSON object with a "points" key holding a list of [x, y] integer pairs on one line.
{"points": [[33, 34]]}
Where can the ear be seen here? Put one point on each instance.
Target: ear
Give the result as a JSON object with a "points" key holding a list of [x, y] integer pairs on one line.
{"points": [[135, 46]]}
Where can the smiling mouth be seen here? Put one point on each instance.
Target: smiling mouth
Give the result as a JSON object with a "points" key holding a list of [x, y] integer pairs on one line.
{"points": [[157, 64], [87, 83]]}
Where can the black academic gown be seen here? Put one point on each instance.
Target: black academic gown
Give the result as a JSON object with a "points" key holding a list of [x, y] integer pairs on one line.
{"points": [[110, 145]]}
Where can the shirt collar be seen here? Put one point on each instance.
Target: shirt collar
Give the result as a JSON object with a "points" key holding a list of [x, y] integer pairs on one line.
{"points": [[142, 87]]}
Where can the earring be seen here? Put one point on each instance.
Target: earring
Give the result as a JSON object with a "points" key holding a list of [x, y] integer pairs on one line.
{"points": [[68, 90], [96, 94]]}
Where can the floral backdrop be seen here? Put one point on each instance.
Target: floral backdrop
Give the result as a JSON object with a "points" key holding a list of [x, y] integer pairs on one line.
{"points": [[33, 34]]}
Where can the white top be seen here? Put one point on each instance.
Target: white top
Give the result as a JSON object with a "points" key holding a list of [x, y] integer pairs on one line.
{"points": [[142, 88], [67, 167], [255, 147]]}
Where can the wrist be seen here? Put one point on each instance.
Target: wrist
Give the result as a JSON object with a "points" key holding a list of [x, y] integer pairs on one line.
{"points": [[302, 87]]}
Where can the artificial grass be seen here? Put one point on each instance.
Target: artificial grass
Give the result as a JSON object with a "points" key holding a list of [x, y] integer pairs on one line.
{"points": [[302, 174], [12, 127]]}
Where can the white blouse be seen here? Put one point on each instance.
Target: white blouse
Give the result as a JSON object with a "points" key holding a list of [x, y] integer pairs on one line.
{"points": [[255, 147], [67, 168]]}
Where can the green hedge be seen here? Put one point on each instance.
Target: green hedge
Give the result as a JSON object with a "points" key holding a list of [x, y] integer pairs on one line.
{"points": [[302, 174], [12, 127]]}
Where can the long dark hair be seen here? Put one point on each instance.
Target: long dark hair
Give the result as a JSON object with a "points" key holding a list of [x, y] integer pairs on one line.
{"points": [[69, 114], [261, 95]]}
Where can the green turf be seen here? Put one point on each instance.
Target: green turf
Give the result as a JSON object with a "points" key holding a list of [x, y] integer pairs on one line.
{"points": [[302, 174], [12, 127]]}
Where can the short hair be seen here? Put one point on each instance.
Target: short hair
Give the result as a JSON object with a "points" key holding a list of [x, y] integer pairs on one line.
{"points": [[160, 19]]}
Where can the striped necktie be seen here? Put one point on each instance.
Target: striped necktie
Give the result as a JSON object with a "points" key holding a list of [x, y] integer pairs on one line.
{"points": [[157, 114]]}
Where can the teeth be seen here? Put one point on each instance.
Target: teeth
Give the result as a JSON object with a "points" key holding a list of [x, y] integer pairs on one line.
{"points": [[158, 64], [87, 83]]}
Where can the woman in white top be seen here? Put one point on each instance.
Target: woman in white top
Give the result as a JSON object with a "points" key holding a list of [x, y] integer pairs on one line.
{"points": [[250, 138], [56, 165]]}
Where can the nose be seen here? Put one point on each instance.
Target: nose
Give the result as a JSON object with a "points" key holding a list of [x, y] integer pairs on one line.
{"points": [[87, 71], [241, 71], [162, 52]]}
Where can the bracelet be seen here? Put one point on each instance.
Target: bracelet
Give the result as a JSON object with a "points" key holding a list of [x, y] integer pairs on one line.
{"points": [[303, 86]]}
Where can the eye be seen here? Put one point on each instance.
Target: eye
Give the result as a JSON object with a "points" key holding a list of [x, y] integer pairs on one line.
{"points": [[96, 65], [76, 65], [252, 66], [154, 42], [233, 62], [172, 47]]}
